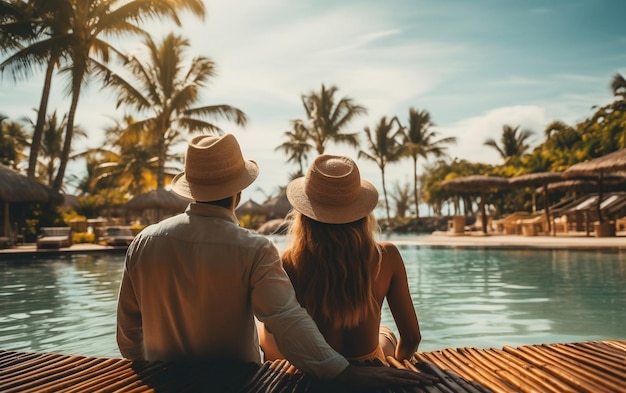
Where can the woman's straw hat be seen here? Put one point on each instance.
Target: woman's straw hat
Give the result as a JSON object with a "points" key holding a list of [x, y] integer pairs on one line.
{"points": [[214, 169], [332, 191]]}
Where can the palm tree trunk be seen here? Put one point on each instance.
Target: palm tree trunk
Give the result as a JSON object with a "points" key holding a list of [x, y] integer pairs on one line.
{"points": [[417, 201], [161, 165], [67, 142], [41, 118], [382, 170]]}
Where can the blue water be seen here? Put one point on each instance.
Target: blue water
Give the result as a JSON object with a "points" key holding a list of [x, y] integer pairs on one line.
{"points": [[463, 297]]}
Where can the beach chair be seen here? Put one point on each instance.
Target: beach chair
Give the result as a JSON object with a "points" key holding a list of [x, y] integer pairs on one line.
{"points": [[55, 237], [533, 226], [509, 225], [117, 236]]}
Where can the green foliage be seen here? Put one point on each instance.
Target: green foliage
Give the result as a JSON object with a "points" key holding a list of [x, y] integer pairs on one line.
{"points": [[83, 237]]}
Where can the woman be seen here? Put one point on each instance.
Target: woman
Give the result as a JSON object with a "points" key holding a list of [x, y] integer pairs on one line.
{"points": [[341, 275]]}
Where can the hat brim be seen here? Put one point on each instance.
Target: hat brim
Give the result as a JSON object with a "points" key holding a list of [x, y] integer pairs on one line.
{"points": [[340, 213], [215, 192]]}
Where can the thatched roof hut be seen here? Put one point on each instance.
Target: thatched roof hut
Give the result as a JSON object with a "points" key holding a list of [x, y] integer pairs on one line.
{"points": [[251, 208], [18, 188], [15, 187], [160, 201], [611, 163], [477, 184], [278, 207]]}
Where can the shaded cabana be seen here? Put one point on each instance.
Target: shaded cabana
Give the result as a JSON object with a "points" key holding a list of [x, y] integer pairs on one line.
{"points": [[542, 179], [480, 184], [160, 201], [18, 188], [612, 163], [250, 208], [251, 214], [278, 207]]}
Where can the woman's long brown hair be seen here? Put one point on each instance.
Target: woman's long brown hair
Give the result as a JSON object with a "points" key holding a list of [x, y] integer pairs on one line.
{"points": [[333, 268]]}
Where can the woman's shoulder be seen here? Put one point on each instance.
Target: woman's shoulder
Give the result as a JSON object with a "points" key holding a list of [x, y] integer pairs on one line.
{"points": [[387, 246], [390, 255]]}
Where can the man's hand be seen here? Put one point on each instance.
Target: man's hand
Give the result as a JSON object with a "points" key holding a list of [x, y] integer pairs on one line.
{"points": [[369, 377]]}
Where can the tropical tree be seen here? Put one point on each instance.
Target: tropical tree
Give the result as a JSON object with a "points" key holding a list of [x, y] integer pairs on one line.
{"points": [[618, 85], [13, 141], [327, 118], [561, 147], [296, 146], [91, 20], [129, 160], [401, 195], [27, 32], [167, 87], [83, 23], [52, 146], [421, 141], [513, 142], [384, 147]]}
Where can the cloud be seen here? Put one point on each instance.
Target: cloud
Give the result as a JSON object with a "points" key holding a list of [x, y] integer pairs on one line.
{"points": [[471, 133]]}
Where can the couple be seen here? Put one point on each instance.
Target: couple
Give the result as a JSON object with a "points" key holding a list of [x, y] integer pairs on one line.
{"points": [[193, 283]]}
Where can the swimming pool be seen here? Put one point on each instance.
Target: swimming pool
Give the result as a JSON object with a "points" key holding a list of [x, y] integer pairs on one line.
{"points": [[464, 297]]}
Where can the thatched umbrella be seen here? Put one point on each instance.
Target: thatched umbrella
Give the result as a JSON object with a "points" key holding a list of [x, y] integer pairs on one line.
{"points": [[277, 226], [477, 183], [599, 167], [251, 208], [279, 206], [17, 188], [159, 200], [542, 179]]}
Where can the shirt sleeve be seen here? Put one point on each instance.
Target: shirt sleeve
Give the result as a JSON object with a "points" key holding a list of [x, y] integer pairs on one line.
{"points": [[297, 336], [129, 328]]}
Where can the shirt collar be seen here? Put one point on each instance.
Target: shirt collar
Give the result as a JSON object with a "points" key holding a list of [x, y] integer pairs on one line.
{"points": [[206, 210]]}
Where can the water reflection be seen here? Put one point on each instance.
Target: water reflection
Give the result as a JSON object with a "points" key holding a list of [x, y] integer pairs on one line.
{"points": [[464, 297], [65, 302], [488, 298]]}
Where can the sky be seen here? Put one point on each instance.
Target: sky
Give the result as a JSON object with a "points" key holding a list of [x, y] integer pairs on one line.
{"points": [[474, 65]]}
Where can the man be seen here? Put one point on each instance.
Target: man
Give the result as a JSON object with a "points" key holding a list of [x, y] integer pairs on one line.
{"points": [[193, 283]]}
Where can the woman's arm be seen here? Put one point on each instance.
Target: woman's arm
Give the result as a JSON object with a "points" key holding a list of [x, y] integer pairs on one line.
{"points": [[400, 303], [267, 343]]}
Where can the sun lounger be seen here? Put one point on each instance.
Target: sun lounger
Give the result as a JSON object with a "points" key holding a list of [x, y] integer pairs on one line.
{"points": [[55, 237], [5, 242], [117, 236], [534, 225], [509, 225]]}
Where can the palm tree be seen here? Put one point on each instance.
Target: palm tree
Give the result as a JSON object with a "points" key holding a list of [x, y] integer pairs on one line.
{"points": [[384, 148], [421, 141], [327, 119], [401, 195], [13, 141], [618, 85], [513, 142], [296, 146], [76, 37], [163, 86], [52, 146], [30, 29], [128, 161]]}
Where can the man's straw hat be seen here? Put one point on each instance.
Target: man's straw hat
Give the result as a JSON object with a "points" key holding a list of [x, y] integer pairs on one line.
{"points": [[214, 169], [332, 191]]}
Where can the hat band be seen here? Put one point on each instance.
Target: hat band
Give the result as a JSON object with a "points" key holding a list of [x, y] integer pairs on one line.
{"points": [[214, 179]]}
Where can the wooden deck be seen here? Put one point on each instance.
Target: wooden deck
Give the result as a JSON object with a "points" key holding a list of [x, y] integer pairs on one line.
{"points": [[594, 367]]}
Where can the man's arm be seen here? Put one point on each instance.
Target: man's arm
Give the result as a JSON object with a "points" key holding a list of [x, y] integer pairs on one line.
{"points": [[296, 334], [129, 328]]}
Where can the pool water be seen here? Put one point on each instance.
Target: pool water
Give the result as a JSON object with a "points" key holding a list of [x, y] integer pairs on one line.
{"points": [[464, 298]]}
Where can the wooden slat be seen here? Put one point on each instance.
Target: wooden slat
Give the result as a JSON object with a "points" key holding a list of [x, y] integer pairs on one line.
{"points": [[595, 366]]}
